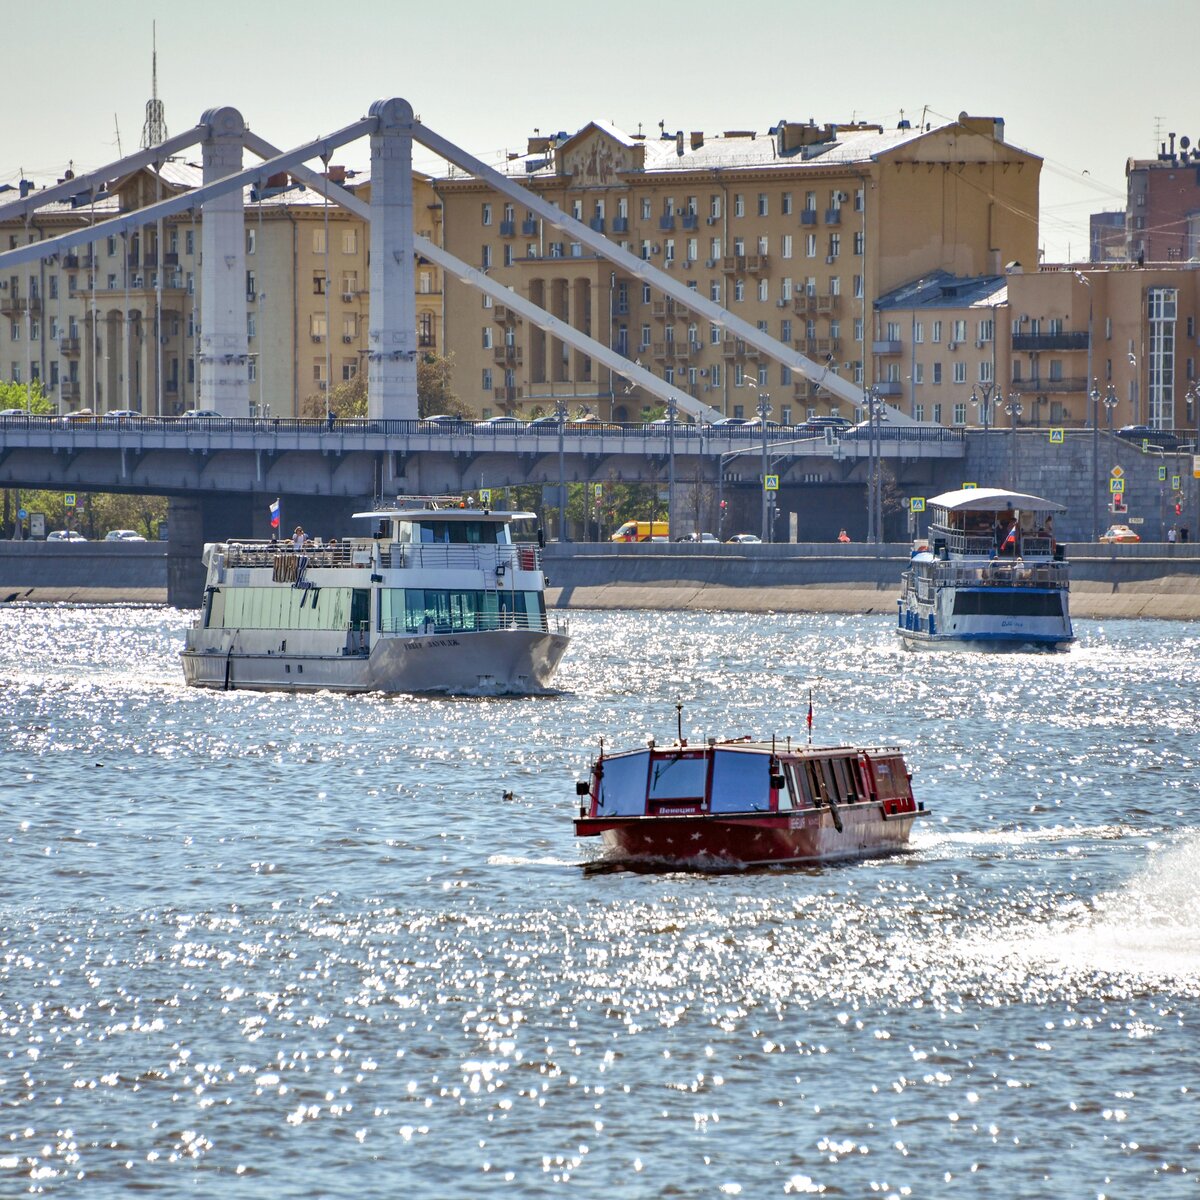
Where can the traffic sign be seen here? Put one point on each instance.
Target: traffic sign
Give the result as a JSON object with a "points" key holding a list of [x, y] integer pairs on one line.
{"points": [[1117, 472], [1162, 474], [69, 500], [1175, 483], [969, 487], [1056, 437], [485, 495], [770, 483], [22, 513], [917, 504], [1116, 486], [598, 491]]}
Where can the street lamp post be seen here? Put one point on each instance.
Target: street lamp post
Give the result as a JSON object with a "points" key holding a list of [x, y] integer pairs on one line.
{"points": [[1193, 398], [983, 404], [1095, 398], [672, 404], [764, 409], [1014, 410], [876, 415], [560, 411]]}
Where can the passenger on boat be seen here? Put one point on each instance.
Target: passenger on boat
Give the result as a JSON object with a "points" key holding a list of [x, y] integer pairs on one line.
{"points": [[843, 536], [298, 538]]}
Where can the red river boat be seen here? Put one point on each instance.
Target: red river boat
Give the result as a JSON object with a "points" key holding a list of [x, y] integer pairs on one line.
{"points": [[745, 803]]}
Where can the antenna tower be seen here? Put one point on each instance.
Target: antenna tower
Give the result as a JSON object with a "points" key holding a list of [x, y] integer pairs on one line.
{"points": [[154, 130]]}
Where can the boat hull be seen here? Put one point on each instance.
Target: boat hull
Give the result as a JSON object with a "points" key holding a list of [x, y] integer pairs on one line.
{"points": [[490, 662], [732, 841]]}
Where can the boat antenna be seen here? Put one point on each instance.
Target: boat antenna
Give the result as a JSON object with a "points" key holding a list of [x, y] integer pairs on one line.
{"points": [[810, 716], [679, 719]]}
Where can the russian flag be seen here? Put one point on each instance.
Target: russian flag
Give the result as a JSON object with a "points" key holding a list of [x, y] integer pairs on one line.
{"points": [[275, 514], [1011, 540]]}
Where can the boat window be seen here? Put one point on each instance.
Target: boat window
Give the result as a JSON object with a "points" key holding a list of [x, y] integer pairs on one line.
{"points": [[623, 785], [1006, 603], [845, 774], [815, 779], [280, 608], [436, 610], [214, 613], [675, 777], [741, 782], [891, 779], [360, 608], [798, 785], [458, 532]]}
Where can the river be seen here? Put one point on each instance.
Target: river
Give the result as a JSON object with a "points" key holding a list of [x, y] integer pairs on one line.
{"points": [[272, 946]]}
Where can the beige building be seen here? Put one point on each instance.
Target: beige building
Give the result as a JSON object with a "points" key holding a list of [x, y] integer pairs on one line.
{"points": [[1046, 347], [98, 331], [798, 230]]}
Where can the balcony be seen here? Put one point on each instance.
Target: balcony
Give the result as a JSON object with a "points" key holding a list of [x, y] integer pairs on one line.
{"points": [[829, 304], [70, 389], [888, 387], [507, 395], [801, 390], [620, 225], [757, 264], [508, 228], [808, 216], [689, 221], [502, 314], [833, 216], [730, 347], [1050, 341], [69, 345], [510, 355], [887, 347], [1074, 383], [596, 224], [529, 227], [12, 306], [666, 223]]}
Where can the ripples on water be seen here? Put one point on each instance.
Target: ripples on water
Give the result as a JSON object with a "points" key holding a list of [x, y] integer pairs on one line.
{"points": [[273, 946]]}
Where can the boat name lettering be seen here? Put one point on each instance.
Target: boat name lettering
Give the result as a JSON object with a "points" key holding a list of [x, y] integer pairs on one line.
{"points": [[432, 642]]}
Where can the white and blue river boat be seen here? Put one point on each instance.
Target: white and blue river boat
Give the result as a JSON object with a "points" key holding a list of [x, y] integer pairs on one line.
{"points": [[989, 575]]}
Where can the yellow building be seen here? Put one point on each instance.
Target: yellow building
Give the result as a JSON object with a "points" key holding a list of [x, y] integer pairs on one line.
{"points": [[97, 330], [798, 230]]}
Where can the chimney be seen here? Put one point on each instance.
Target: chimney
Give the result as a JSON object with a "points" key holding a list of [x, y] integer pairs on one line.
{"points": [[26, 186], [697, 138], [336, 173], [679, 143]]}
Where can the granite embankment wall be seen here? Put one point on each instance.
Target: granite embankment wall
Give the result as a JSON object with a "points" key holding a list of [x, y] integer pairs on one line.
{"points": [[87, 572], [1149, 580]]}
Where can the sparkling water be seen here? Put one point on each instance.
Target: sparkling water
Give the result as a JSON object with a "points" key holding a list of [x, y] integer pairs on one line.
{"points": [[275, 946]]}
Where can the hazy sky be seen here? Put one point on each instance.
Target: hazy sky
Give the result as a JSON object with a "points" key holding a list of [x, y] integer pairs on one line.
{"points": [[1085, 85]]}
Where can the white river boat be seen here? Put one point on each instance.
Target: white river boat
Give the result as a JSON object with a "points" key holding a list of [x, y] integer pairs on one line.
{"points": [[439, 598]]}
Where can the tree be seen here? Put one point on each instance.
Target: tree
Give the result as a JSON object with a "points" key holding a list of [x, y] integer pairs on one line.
{"points": [[434, 393], [28, 396]]}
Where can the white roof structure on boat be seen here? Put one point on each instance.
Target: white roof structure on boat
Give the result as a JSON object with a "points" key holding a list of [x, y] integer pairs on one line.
{"points": [[992, 500], [424, 512]]}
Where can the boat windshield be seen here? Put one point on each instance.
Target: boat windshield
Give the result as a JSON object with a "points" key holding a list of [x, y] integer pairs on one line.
{"points": [[679, 777], [741, 782], [623, 785], [461, 532]]}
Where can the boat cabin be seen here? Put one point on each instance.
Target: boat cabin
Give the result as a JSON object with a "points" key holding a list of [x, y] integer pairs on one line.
{"points": [[744, 778]]}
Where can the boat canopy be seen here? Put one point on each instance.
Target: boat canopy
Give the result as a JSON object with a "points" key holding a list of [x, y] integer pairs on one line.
{"points": [[992, 500], [445, 514]]}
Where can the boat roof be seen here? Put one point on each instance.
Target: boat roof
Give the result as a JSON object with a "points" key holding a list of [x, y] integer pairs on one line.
{"points": [[992, 500], [421, 512]]}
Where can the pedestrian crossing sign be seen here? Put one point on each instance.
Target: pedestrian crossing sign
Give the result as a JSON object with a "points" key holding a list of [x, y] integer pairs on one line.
{"points": [[485, 495], [69, 500], [1116, 486], [1162, 474], [916, 504], [1056, 437], [770, 483]]}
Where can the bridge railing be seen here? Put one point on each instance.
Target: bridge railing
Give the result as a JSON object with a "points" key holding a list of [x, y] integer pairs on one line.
{"points": [[86, 427]]}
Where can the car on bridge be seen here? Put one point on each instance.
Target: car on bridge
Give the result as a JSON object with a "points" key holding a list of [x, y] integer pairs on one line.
{"points": [[201, 414], [746, 539], [1160, 439], [65, 535], [14, 414], [81, 416], [550, 422], [121, 414], [446, 421], [123, 535], [1118, 533], [502, 422]]}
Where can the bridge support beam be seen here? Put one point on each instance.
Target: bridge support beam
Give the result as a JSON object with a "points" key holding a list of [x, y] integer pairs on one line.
{"points": [[224, 382], [392, 333]]}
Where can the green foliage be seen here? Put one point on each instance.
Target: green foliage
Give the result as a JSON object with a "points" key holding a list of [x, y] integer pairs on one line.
{"points": [[94, 515], [25, 395], [435, 393]]}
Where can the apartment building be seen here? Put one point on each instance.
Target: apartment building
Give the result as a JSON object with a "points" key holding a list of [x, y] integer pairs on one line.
{"points": [[114, 325], [799, 230], [1050, 347], [1162, 214]]}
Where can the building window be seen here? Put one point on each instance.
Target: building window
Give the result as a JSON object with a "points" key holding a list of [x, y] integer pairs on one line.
{"points": [[785, 202], [985, 371], [763, 206], [960, 331], [739, 205], [318, 240], [937, 376], [485, 257], [317, 326], [486, 214], [425, 337], [251, 325], [858, 242], [936, 335], [918, 373], [739, 290], [646, 209], [763, 295], [714, 291], [960, 373], [319, 284], [785, 246], [487, 337], [810, 245], [714, 206], [349, 241], [960, 414]]}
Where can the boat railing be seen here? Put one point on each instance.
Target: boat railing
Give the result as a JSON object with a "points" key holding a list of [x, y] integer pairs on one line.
{"points": [[440, 556], [1002, 573], [479, 622], [334, 553], [984, 544]]}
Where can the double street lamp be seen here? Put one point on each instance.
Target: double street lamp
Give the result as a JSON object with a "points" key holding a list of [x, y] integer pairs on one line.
{"points": [[1014, 409], [876, 415], [1109, 400]]}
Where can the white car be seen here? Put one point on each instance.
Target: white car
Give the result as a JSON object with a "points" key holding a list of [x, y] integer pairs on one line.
{"points": [[123, 535], [65, 535], [201, 414], [746, 538], [121, 414]]}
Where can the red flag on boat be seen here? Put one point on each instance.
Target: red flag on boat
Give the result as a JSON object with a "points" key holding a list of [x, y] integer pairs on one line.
{"points": [[810, 711]]}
